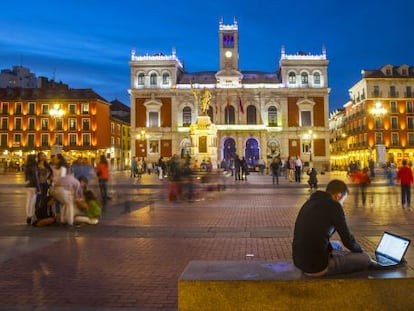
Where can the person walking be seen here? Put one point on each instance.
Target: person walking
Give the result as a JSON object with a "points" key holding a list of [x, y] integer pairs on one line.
{"points": [[313, 180], [298, 169], [102, 171], [405, 178], [33, 186], [275, 169]]}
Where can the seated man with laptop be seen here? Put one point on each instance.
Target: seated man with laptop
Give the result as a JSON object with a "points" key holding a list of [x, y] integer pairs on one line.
{"points": [[318, 219]]}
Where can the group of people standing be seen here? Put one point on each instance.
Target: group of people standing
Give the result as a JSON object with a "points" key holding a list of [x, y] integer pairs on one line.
{"points": [[58, 192]]}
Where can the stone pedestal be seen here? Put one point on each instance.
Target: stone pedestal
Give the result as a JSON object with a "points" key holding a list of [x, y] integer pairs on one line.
{"points": [[204, 140]]}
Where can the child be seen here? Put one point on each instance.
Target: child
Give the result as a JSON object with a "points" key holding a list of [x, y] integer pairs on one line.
{"points": [[91, 208], [313, 181]]}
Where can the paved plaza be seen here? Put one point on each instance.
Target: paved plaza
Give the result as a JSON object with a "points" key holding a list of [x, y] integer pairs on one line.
{"points": [[133, 258]]}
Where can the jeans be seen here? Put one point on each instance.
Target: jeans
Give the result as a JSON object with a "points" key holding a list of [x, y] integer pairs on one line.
{"points": [[406, 194], [341, 261]]}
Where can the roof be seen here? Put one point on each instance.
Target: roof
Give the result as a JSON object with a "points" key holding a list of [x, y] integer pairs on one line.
{"points": [[49, 93]]}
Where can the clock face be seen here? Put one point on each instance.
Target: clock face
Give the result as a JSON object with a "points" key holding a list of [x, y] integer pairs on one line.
{"points": [[228, 40], [228, 54]]}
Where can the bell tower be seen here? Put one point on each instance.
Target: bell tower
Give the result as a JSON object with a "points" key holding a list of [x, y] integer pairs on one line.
{"points": [[229, 45], [229, 74]]}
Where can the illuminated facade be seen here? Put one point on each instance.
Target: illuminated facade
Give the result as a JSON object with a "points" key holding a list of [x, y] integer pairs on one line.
{"points": [[27, 125], [257, 114], [379, 118]]}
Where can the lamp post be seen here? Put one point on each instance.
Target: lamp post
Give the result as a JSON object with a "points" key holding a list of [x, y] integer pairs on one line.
{"points": [[56, 113], [142, 137], [378, 112]]}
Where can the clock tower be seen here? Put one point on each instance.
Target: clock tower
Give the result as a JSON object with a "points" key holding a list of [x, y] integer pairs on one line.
{"points": [[229, 54]]}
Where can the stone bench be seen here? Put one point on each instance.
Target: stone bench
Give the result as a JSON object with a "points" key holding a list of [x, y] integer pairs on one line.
{"points": [[260, 285]]}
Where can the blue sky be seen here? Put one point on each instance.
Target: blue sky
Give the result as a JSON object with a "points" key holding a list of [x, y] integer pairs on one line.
{"points": [[87, 43]]}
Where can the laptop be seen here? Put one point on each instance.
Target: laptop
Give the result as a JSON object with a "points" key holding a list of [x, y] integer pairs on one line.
{"points": [[391, 249]]}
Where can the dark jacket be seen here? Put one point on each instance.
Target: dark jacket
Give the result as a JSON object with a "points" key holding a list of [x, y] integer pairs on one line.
{"points": [[317, 220]]}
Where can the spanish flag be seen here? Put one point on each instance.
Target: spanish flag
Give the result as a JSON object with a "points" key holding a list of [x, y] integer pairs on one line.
{"points": [[241, 105]]}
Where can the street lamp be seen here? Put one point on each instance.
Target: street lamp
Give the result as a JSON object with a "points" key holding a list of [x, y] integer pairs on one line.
{"points": [[378, 112], [56, 113]]}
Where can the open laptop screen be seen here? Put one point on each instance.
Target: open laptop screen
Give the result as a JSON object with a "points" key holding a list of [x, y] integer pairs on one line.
{"points": [[392, 246]]}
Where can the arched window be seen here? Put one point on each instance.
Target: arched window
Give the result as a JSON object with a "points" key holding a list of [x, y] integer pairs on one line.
{"points": [[292, 78], [251, 114], [141, 79], [153, 80], [229, 115], [304, 78], [272, 116], [166, 78], [186, 116], [316, 78]]}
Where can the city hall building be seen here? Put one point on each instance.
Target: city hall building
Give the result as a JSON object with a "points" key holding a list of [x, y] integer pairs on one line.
{"points": [[253, 114]]}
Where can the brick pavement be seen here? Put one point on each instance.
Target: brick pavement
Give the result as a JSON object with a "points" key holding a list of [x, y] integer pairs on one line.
{"points": [[131, 261]]}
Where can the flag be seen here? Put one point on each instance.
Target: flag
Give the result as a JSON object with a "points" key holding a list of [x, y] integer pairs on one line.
{"points": [[216, 106], [241, 105]]}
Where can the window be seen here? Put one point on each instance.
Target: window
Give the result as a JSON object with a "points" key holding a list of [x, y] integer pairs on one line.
{"points": [[118, 129], [44, 140], [410, 123], [410, 138], [394, 139], [32, 108], [229, 115], [17, 139], [153, 80], [292, 78], [378, 123], [305, 118], [186, 116], [3, 140], [378, 138], [408, 92], [73, 139], [153, 119], [4, 124], [304, 78], [393, 92], [112, 128], [59, 124], [72, 124], [141, 79], [72, 109], [394, 123], [86, 124], [376, 91], [18, 123], [166, 79], [59, 139], [153, 146], [409, 106], [86, 139], [393, 107], [44, 124], [31, 124], [45, 109], [317, 78], [272, 116], [251, 114], [85, 108], [31, 140], [18, 108], [5, 108]]}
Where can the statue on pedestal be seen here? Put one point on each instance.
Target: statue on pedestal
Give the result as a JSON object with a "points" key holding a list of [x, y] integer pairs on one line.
{"points": [[203, 98]]}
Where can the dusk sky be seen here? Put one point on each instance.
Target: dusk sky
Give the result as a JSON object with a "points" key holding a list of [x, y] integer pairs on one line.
{"points": [[87, 43]]}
